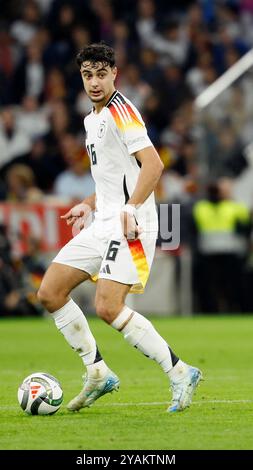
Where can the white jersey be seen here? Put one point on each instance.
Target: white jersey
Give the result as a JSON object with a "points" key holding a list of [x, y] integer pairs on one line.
{"points": [[113, 136]]}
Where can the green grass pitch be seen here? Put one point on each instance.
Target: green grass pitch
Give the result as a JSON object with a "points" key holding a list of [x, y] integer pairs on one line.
{"points": [[221, 416]]}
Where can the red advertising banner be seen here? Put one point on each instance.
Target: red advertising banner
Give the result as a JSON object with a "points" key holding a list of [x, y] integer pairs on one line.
{"points": [[39, 221]]}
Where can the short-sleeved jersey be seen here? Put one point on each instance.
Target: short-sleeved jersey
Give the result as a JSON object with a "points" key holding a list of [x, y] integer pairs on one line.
{"points": [[113, 136]]}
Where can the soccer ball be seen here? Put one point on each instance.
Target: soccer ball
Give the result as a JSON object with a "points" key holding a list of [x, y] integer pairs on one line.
{"points": [[40, 394]]}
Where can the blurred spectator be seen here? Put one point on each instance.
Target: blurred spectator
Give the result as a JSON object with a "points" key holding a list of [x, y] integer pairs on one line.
{"points": [[15, 292], [146, 20], [185, 163], [32, 119], [197, 76], [8, 53], [60, 123], [122, 41], [76, 182], [133, 87], [155, 118], [33, 266], [44, 5], [151, 72], [29, 75], [230, 160], [174, 134], [64, 23], [44, 166], [222, 228], [55, 86], [174, 90], [171, 45], [104, 11], [60, 118], [21, 184], [13, 141], [24, 29], [80, 36]]}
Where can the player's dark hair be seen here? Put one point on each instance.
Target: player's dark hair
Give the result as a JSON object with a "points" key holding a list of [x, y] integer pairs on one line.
{"points": [[94, 53]]}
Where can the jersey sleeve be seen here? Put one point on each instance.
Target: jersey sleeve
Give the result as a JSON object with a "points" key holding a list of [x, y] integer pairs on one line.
{"points": [[129, 123]]}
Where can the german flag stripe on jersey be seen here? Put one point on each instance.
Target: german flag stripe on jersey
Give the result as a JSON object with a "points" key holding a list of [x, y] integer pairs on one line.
{"points": [[123, 113], [140, 261]]}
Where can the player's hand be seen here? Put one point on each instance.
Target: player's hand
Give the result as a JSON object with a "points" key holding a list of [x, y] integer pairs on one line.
{"points": [[78, 216], [129, 226]]}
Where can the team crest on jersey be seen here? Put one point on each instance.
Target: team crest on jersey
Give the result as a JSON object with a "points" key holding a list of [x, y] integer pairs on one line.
{"points": [[101, 130]]}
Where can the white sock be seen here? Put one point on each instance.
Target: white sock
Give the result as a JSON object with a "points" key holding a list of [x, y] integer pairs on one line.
{"points": [[72, 323], [179, 371], [98, 370], [139, 332]]}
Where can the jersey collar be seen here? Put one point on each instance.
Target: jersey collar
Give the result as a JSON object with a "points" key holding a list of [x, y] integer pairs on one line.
{"points": [[111, 98], [108, 102]]}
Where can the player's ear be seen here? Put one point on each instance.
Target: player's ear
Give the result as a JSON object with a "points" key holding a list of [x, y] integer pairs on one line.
{"points": [[114, 72]]}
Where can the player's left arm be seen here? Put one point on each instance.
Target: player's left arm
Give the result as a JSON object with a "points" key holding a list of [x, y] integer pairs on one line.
{"points": [[151, 170]]}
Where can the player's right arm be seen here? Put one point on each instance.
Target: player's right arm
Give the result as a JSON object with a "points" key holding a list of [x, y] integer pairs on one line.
{"points": [[80, 212]]}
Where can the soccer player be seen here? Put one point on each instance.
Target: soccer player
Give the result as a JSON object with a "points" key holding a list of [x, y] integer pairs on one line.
{"points": [[118, 247]]}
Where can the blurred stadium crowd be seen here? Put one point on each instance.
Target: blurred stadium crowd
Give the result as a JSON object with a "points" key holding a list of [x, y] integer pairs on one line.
{"points": [[167, 54]]}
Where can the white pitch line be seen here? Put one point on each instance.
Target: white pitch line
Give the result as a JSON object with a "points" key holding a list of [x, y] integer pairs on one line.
{"points": [[159, 403], [152, 403], [221, 401], [8, 407]]}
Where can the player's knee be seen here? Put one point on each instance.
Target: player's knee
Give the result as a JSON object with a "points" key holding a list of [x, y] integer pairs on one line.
{"points": [[43, 296], [103, 312], [47, 298], [108, 313]]}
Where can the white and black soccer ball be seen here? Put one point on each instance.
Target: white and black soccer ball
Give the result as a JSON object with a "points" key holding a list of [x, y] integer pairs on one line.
{"points": [[40, 394]]}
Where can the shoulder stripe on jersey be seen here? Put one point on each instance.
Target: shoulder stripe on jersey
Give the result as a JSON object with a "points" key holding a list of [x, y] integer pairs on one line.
{"points": [[113, 95], [128, 107], [123, 113], [118, 115], [120, 107], [121, 98], [124, 109]]}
